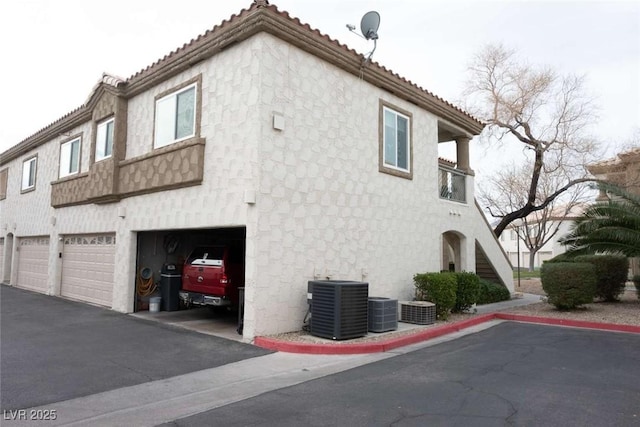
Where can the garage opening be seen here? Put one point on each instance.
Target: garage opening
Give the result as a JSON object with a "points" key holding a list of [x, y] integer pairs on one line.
{"points": [[192, 275]]}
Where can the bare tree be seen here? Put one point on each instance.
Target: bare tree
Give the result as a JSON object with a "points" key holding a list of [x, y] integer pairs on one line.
{"points": [[506, 191], [546, 113]]}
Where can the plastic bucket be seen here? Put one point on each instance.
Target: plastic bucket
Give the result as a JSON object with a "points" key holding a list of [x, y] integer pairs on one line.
{"points": [[154, 304]]}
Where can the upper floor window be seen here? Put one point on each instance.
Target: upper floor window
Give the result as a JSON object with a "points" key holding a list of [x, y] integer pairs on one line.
{"points": [[4, 178], [104, 140], [175, 116], [29, 174], [395, 141], [70, 157]]}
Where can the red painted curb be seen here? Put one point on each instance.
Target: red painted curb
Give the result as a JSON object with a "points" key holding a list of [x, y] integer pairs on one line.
{"points": [[566, 322], [390, 344], [369, 347]]}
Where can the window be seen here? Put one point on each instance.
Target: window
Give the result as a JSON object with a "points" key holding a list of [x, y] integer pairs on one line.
{"points": [[70, 157], [175, 116], [4, 178], [29, 174], [395, 141], [104, 140]]}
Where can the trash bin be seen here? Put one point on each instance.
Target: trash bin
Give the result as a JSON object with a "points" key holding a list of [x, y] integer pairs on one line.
{"points": [[240, 310], [170, 284]]}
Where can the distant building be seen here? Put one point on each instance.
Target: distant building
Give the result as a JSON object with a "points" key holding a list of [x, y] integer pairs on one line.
{"points": [[557, 219]]}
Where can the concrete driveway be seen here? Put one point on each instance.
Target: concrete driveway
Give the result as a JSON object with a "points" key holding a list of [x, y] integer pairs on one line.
{"points": [[510, 374], [53, 349]]}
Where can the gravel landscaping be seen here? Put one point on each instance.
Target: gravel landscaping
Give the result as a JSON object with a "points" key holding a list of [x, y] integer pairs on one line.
{"points": [[625, 312]]}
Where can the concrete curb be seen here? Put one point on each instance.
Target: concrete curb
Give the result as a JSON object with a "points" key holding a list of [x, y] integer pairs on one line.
{"points": [[392, 343]]}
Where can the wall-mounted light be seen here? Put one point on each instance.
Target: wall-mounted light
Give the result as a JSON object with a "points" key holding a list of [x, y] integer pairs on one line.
{"points": [[122, 212]]}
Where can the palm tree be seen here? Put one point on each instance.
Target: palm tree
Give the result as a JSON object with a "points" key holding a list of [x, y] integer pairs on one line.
{"points": [[612, 227]]}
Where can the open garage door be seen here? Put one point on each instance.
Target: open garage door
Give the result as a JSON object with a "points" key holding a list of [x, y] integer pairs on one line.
{"points": [[33, 263], [88, 263], [160, 248]]}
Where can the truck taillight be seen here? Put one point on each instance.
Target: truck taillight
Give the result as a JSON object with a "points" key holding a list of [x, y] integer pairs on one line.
{"points": [[224, 279]]}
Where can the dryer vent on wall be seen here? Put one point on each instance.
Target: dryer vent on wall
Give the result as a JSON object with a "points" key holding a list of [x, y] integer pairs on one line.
{"points": [[339, 308]]}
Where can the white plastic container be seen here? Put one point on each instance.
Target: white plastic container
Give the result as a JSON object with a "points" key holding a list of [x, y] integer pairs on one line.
{"points": [[154, 304]]}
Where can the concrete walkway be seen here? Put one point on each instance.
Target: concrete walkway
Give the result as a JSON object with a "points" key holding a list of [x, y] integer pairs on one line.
{"points": [[526, 299]]}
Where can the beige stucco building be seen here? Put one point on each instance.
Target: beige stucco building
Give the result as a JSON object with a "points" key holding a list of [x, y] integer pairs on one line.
{"points": [[262, 133]]}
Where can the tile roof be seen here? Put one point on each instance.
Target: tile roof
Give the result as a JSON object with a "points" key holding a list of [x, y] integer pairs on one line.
{"points": [[187, 48]]}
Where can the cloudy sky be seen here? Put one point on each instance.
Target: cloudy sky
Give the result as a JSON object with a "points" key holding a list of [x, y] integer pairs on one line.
{"points": [[55, 51]]}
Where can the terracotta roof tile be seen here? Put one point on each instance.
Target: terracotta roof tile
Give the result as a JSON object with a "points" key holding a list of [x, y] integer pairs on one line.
{"points": [[117, 82]]}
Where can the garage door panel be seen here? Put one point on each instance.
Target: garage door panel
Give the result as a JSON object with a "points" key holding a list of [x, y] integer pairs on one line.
{"points": [[88, 268], [33, 263]]}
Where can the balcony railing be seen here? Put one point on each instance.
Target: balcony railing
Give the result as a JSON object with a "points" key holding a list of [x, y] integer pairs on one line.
{"points": [[451, 183]]}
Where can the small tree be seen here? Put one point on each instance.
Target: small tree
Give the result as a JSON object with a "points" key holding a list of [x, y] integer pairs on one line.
{"points": [[507, 191], [544, 112]]}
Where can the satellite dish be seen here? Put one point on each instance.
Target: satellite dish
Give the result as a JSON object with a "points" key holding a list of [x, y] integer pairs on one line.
{"points": [[370, 24]]}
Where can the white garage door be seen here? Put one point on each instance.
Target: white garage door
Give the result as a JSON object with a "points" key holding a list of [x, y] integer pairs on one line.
{"points": [[87, 268], [33, 263]]}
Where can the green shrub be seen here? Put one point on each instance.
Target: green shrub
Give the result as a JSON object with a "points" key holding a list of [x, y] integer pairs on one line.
{"points": [[492, 292], [467, 290], [563, 257], [438, 288], [611, 274], [569, 284], [636, 282]]}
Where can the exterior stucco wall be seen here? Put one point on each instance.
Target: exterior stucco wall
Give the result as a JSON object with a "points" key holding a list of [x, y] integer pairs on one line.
{"points": [[30, 213], [324, 209], [230, 134]]}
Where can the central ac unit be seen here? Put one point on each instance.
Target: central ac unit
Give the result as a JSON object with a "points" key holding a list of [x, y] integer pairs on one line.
{"points": [[383, 314], [418, 312], [338, 309]]}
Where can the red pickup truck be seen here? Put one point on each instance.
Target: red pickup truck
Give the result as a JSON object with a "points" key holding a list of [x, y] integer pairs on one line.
{"points": [[210, 278]]}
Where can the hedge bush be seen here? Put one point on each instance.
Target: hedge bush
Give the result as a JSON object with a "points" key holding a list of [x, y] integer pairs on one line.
{"points": [[563, 257], [636, 282], [438, 288], [568, 284], [492, 292], [467, 290], [611, 274]]}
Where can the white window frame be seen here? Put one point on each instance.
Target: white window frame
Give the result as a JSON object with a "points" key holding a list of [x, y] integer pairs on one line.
{"points": [[166, 109], [102, 140], [29, 171], [66, 158], [407, 143]]}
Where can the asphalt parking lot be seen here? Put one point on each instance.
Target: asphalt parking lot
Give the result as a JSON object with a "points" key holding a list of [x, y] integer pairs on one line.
{"points": [[510, 374], [52, 349]]}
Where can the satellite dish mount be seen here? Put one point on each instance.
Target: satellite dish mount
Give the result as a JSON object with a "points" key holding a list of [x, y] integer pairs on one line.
{"points": [[369, 28]]}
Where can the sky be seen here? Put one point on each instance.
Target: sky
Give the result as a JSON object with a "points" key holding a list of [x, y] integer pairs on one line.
{"points": [[55, 51]]}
